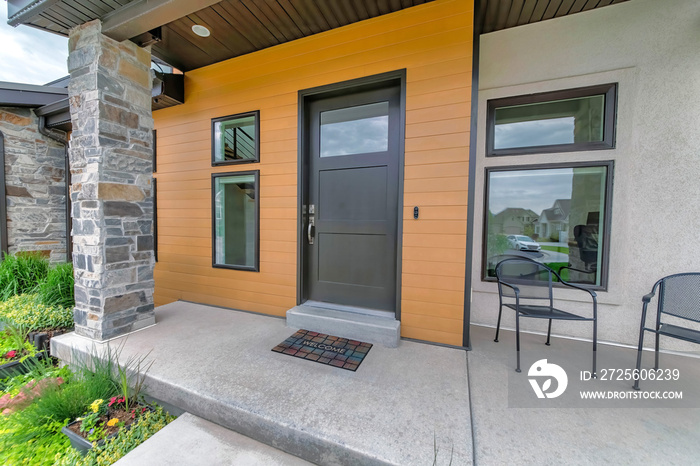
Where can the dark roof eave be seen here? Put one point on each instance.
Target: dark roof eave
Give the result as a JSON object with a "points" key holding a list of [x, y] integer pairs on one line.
{"points": [[29, 95]]}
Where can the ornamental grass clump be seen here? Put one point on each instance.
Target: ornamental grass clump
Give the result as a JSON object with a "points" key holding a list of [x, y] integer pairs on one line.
{"points": [[57, 288], [21, 273]]}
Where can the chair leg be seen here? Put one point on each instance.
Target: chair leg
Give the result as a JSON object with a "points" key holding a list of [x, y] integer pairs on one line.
{"points": [[498, 325], [656, 353], [549, 332], [595, 347], [517, 340], [639, 356]]}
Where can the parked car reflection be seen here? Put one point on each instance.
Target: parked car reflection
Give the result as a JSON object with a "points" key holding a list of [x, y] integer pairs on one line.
{"points": [[523, 243]]}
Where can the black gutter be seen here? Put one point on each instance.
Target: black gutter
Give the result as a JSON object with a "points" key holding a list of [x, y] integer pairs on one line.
{"points": [[59, 137], [474, 116]]}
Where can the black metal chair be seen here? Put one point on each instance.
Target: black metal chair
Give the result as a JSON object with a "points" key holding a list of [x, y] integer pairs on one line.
{"points": [[679, 296], [522, 284]]}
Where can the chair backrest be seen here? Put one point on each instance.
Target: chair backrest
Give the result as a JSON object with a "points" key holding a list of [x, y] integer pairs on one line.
{"points": [[533, 279], [679, 295]]}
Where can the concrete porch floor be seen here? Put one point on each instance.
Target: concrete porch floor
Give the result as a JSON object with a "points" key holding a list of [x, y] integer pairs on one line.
{"points": [[402, 405]]}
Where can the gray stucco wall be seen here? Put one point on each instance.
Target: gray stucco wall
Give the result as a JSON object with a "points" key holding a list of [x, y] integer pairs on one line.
{"points": [[35, 186], [650, 48]]}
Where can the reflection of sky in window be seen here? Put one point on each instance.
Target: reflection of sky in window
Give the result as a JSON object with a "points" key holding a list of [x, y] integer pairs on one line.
{"points": [[355, 130], [529, 189], [534, 133]]}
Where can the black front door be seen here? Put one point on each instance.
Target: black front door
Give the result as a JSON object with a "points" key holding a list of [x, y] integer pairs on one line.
{"points": [[353, 178]]}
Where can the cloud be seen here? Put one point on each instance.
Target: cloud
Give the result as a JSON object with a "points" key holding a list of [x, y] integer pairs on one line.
{"points": [[529, 189], [535, 133], [30, 56]]}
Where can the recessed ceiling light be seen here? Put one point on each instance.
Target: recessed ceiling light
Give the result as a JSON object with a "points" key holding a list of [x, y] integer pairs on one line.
{"points": [[200, 30]]}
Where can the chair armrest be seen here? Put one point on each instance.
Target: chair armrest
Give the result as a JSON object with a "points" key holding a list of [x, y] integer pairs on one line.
{"points": [[647, 298], [591, 292], [513, 287]]}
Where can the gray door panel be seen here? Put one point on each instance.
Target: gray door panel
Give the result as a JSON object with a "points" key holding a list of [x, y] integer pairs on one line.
{"points": [[353, 167]]}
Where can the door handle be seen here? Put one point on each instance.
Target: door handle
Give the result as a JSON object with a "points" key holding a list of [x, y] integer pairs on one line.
{"points": [[311, 231]]}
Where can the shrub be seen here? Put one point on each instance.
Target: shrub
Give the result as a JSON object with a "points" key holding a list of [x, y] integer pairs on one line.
{"points": [[57, 288], [21, 273], [27, 311]]}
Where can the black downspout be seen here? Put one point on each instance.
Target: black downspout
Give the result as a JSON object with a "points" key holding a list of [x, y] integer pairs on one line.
{"points": [[3, 204], [474, 116], [58, 137]]}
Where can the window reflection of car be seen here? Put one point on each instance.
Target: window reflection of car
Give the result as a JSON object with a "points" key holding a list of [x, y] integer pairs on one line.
{"points": [[523, 243]]}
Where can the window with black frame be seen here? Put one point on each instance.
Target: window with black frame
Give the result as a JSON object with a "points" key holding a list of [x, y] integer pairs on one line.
{"points": [[559, 121], [236, 139], [558, 215], [235, 218]]}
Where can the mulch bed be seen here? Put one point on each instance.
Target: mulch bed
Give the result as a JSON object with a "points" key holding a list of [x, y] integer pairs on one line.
{"points": [[325, 349]]}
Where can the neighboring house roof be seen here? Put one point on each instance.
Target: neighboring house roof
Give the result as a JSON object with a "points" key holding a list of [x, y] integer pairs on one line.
{"points": [[514, 212], [29, 95], [559, 211]]}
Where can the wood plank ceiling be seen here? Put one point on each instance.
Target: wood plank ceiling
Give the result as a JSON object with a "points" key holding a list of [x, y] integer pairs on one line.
{"points": [[239, 27], [495, 15]]}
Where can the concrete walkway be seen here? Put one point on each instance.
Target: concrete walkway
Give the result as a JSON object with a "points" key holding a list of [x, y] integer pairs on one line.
{"points": [[403, 406], [190, 440]]}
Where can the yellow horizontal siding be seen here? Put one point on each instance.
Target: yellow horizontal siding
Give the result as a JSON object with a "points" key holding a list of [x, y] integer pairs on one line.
{"points": [[433, 43]]}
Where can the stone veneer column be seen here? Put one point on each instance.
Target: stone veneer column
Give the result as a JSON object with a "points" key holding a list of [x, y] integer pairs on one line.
{"points": [[111, 162]]}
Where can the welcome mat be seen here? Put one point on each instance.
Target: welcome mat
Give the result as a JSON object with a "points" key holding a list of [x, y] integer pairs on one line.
{"points": [[326, 349]]}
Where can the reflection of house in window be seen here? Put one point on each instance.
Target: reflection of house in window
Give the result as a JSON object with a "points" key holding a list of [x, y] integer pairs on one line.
{"points": [[553, 223], [513, 221]]}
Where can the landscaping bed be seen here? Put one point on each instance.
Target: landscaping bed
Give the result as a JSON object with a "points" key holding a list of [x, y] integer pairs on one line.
{"points": [[98, 397]]}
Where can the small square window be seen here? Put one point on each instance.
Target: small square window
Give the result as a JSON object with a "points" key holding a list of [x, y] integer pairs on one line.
{"points": [[235, 139], [561, 121], [235, 218]]}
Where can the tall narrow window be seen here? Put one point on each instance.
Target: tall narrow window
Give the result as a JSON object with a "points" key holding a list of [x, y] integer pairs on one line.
{"points": [[561, 121], [236, 139], [557, 215], [235, 216]]}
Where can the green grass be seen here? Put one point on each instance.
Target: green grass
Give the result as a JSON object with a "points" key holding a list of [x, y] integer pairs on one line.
{"points": [[561, 249]]}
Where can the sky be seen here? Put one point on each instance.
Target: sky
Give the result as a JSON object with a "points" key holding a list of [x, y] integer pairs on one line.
{"points": [[529, 189], [30, 56]]}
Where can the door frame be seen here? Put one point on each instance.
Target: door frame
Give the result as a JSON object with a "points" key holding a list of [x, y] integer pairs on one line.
{"points": [[329, 90]]}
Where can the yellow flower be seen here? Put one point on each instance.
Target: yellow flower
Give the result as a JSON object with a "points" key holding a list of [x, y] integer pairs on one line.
{"points": [[113, 422], [96, 405]]}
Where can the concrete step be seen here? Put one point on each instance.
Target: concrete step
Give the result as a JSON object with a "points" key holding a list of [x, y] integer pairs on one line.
{"points": [[369, 328], [191, 440]]}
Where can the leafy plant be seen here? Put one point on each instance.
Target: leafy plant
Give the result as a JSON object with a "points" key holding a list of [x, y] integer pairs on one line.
{"points": [[89, 424], [28, 312], [57, 288], [21, 273], [14, 346], [116, 447], [44, 442]]}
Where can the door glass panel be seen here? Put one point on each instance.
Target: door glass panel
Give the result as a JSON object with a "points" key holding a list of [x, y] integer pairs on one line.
{"points": [[355, 130]]}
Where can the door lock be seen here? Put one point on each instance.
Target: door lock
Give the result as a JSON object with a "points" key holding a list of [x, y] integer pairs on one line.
{"points": [[311, 231]]}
